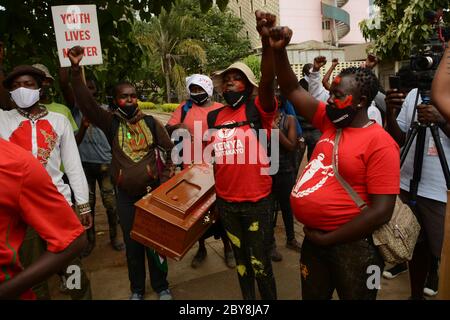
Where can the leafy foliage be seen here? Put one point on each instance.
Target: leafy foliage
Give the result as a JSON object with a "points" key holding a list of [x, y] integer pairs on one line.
{"points": [[401, 25], [26, 28]]}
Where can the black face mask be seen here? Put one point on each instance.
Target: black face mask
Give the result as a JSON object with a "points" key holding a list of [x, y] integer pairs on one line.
{"points": [[199, 98], [236, 99], [128, 111], [47, 93], [341, 118]]}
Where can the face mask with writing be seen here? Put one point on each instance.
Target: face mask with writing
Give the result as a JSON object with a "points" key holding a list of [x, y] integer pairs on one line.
{"points": [[342, 113]]}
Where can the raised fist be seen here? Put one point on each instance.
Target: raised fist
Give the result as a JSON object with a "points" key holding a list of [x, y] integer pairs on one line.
{"points": [[76, 55], [334, 62], [264, 22], [280, 37], [319, 62]]}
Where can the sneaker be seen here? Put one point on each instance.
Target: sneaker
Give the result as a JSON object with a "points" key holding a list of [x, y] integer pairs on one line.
{"points": [[229, 259], [117, 245], [165, 295], [199, 258], [395, 271], [293, 245], [136, 296], [275, 255], [431, 285]]}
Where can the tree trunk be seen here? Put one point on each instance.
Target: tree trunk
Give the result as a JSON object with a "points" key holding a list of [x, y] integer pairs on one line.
{"points": [[167, 77]]}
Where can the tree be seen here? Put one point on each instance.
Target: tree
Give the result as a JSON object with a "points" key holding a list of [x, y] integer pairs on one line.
{"points": [[399, 26], [219, 30], [188, 40], [166, 36], [254, 63], [26, 28]]}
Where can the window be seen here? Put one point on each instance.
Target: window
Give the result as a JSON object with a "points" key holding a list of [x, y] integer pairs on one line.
{"points": [[264, 2], [326, 25], [251, 6], [247, 34], [240, 12]]}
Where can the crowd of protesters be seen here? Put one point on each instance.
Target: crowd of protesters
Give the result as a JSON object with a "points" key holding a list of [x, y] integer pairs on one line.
{"points": [[52, 157]]}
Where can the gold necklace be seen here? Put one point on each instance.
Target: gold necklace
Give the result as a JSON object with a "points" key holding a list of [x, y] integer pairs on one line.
{"points": [[368, 124]]}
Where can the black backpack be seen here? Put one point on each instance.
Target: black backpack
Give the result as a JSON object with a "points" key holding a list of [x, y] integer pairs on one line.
{"points": [[253, 120], [251, 112]]}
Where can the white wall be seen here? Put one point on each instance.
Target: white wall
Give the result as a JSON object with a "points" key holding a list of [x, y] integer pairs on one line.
{"points": [[304, 17], [358, 10]]}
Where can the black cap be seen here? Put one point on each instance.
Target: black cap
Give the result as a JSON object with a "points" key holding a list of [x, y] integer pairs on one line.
{"points": [[20, 71]]}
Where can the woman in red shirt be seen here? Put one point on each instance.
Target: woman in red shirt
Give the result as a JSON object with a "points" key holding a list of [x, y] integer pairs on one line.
{"points": [[338, 248]]}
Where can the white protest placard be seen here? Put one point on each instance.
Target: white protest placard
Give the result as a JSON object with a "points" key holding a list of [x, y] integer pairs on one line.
{"points": [[77, 25]]}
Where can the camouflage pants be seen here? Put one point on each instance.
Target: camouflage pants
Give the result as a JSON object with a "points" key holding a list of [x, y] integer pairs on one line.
{"points": [[99, 173], [32, 248], [343, 267], [249, 227]]}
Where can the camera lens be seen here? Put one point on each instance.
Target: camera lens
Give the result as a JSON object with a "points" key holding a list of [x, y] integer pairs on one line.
{"points": [[423, 63]]}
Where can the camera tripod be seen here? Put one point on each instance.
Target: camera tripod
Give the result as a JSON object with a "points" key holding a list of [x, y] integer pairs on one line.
{"points": [[419, 130]]}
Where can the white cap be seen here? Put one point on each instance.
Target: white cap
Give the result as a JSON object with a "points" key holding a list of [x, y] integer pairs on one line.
{"points": [[200, 80]]}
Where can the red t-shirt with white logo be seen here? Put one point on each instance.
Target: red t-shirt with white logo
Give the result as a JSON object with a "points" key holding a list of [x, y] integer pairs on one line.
{"points": [[241, 162], [368, 159]]}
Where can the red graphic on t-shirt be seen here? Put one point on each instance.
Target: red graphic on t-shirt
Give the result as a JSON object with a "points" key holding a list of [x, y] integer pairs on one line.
{"points": [[46, 138]]}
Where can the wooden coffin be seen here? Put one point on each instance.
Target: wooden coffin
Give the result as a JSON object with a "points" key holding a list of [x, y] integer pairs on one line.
{"points": [[174, 216]]}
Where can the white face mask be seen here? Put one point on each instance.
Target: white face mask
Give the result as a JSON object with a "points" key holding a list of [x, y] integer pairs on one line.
{"points": [[24, 97]]}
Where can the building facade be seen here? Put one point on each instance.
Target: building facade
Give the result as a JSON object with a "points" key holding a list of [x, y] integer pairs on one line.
{"points": [[334, 22], [245, 9]]}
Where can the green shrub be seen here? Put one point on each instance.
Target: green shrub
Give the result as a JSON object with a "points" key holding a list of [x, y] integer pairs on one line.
{"points": [[169, 107], [146, 105]]}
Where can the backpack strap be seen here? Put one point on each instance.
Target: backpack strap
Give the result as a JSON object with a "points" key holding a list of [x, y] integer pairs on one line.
{"points": [[151, 124], [185, 109], [212, 117], [251, 112]]}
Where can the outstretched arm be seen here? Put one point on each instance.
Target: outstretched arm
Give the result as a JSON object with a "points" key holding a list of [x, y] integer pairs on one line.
{"points": [[64, 84], [303, 102], [326, 78], [440, 92], [85, 101], [266, 90]]}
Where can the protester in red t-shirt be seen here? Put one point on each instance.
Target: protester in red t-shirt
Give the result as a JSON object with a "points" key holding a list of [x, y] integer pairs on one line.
{"points": [[28, 197], [242, 188], [191, 115], [338, 247]]}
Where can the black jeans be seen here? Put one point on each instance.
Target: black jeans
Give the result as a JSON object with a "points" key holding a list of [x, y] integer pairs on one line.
{"points": [[343, 267], [283, 182], [136, 252], [249, 228]]}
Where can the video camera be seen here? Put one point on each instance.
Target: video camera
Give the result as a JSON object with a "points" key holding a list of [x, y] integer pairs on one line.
{"points": [[425, 59]]}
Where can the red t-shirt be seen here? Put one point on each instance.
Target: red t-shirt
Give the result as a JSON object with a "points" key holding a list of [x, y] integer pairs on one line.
{"points": [[197, 114], [241, 162], [368, 159], [29, 197]]}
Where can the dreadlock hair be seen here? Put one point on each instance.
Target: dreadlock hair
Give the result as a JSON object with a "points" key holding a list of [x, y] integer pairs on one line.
{"points": [[366, 81]]}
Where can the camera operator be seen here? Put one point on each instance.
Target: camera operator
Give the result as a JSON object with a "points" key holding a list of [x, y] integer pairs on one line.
{"points": [[431, 197]]}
